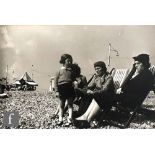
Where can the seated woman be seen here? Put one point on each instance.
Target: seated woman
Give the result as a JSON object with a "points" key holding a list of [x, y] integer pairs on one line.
{"points": [[133, 91], [101, 90], [138, 84]]}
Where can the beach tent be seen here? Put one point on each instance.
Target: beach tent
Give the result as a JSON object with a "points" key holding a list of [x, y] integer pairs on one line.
{"points": [[26, 82]]}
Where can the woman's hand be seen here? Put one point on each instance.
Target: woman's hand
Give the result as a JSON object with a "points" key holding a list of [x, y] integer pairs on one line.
{"points": [[119, 91], [75, 84], [89, 91]]}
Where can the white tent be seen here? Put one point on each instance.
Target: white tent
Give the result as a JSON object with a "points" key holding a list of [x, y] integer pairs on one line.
{"points": [[26, 79]]}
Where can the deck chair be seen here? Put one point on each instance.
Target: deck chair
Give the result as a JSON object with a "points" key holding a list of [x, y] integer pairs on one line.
{"points": [[119, 76], [137, 108]]}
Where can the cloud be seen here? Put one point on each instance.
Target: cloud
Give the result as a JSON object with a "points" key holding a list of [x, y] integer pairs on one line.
{"points": [[42, 46], [5, 40], [7, 50]]}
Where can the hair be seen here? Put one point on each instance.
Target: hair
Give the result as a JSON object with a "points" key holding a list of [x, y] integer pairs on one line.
{"points": [[146, 65], [64, 57], [76, 70], [144, 59], [100, 64]]}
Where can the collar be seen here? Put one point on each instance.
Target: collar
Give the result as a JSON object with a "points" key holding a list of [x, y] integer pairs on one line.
{"points": [[66, 68]]}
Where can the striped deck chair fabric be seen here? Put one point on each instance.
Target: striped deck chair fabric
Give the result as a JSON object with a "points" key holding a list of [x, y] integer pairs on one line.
{"points": [[118, 76]]}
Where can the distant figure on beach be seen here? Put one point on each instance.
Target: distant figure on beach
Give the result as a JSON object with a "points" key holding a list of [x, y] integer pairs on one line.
{"points": [[64, 87], [2, 86]]}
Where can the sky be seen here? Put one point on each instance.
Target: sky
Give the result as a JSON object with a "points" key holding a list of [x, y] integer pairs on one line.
{"points": [[37, 49]]}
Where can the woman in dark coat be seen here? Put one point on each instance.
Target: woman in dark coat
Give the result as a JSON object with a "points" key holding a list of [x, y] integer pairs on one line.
{"points": [[138, 84]]}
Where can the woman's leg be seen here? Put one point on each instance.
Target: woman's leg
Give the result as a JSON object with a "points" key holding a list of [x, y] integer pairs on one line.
{"points": [[95, 110], [91, 112], [85, 115], [83, 106]]}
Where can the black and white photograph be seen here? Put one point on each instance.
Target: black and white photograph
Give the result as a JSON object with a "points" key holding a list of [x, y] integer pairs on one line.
{"points": [[77, 77]]}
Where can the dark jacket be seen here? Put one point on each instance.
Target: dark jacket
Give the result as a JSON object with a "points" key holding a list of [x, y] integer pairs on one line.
{"points": [[103, 90], [137, 88]]}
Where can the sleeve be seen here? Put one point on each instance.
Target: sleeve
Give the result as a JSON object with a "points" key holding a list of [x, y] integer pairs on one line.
{"points": [[127, 78], [56, 81], [108, 85], [84, 80], [92, 84]]}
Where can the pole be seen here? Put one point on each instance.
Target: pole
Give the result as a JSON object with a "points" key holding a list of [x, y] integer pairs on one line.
{"points": [[32, 72], [6, 74], [109, 54]]}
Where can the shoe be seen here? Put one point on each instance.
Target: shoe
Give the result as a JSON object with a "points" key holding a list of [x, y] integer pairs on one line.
{"points": [[94, 124], [60, 123], [76, 114], [70, 122], [82, 124]]}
